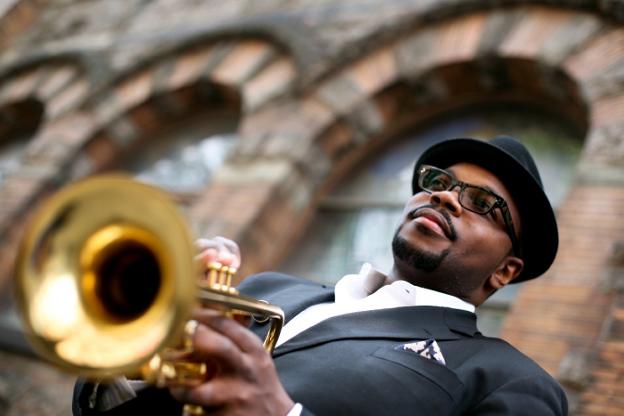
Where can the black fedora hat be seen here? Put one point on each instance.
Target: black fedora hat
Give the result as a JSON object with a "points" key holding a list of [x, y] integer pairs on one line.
{"points": [[512, 163]]}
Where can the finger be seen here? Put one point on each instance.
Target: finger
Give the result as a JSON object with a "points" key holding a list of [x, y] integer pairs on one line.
{"points": [[209, 344], [210, 245], [228, 259], [208, 250], [219, 249], [214, 395], [243, 338], [206, 312], [204, 395], [208, 255], [232, 248]]}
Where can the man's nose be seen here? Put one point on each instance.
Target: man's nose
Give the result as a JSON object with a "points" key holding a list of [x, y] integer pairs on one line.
{"points": [[448, 200]]}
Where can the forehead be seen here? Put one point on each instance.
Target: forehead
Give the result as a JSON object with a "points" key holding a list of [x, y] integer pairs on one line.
{"points": [[477, 175]]}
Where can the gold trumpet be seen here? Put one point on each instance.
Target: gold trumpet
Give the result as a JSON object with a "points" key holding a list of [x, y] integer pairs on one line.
{"points": [[106, 282]]}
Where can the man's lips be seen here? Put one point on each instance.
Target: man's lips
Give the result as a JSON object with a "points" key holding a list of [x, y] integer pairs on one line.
{"points": [[435, 221]]}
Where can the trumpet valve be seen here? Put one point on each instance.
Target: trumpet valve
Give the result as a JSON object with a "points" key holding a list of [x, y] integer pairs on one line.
{"points": [[219, 277]]}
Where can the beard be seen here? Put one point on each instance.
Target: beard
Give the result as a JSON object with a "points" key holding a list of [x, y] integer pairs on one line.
{"points": [[446, 279], [414, 257]]}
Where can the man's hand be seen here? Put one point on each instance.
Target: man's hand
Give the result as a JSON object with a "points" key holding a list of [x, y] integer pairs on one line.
{"points": [[219, 250], [245, 382]]}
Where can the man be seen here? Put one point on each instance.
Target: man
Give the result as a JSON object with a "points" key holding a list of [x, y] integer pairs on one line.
{"points": [[401, 343]]}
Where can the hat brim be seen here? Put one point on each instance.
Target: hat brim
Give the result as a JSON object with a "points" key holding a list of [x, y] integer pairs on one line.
{"points": [[539, 235]]}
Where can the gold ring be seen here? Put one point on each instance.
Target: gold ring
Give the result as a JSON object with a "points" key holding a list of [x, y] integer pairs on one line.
{"points": [[189, 333]]}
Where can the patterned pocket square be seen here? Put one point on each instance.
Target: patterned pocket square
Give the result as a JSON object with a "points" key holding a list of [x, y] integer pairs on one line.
{"points": [[428, 348]]}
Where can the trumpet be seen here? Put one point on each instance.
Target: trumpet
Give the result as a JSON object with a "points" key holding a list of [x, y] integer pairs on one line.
{"points": [[106, 282]]}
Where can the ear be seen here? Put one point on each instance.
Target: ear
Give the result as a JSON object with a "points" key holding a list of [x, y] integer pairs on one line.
{"points": [[508, 270]]}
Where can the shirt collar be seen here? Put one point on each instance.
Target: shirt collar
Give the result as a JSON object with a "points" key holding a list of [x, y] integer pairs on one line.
{"points": [[368, 286]]}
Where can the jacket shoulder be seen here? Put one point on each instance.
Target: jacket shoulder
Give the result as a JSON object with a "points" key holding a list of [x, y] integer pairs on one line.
{"points": [[499, 351], [506, 380], [268, 283]]}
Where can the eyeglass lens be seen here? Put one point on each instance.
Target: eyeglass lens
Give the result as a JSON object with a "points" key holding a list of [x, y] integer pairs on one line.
{"points": [[471, 197]]}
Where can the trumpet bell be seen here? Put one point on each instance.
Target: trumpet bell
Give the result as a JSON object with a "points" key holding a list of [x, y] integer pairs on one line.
{"points": [[106, 276]]}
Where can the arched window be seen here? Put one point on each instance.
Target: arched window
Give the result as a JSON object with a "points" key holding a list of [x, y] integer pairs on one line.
{"points": [[355, 223], [18, 123]]}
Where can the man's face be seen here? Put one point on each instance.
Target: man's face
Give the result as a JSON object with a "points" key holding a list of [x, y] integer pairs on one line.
{"points": [[442, 246]]}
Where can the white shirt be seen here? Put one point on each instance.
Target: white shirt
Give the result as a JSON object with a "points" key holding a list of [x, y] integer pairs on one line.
{"points": [[365, 291]]}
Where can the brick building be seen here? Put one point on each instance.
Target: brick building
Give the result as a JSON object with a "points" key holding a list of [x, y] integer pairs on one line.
{"points": [[300, 109]]}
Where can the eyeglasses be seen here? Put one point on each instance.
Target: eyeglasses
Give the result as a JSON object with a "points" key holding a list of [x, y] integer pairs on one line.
{"points": [[471, 197]]}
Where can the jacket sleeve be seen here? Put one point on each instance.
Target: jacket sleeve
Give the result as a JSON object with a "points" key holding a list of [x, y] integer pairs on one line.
{"points": [[528, 396], [306, 412]]}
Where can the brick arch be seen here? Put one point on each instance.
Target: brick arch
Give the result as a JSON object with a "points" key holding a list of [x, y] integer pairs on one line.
{"points": [[243, 74], [407, 102], [244, 65], [564, 59], [47, 91], [35, 95], [60, 85], [133, 129], [565, 56], [484, 53], [250, 68], [253, 69], [57, 87]]}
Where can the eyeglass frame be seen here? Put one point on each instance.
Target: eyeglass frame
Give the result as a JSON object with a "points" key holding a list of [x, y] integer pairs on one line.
{"points": [[499, 202]]}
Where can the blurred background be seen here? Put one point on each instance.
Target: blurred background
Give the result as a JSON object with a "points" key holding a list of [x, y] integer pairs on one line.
{"points": [[292, 126]]}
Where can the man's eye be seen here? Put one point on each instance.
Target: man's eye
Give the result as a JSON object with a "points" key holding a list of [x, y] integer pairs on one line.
{"points": [[479, 202], [438, 184]]}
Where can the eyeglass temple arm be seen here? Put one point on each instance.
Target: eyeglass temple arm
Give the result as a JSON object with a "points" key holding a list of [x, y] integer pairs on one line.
{"points": [[515, 244]]}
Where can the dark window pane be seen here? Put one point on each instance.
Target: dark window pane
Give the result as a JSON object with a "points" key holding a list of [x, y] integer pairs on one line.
{"points": [[184, 158], [18, 124], [342, 241]]}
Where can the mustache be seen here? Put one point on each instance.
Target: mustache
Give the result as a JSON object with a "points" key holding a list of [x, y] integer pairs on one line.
{"points": [[447, 217]]}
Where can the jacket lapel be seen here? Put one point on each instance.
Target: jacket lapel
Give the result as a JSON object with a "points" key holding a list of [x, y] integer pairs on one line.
{"points": [[405, 323], [298, 298], [294, 299]]}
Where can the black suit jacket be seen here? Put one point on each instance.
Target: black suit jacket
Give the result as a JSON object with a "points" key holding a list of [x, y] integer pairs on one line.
{"points": [[350, 364]]}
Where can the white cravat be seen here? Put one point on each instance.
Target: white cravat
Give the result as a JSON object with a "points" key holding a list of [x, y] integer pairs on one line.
{"points": [[365, 292]]}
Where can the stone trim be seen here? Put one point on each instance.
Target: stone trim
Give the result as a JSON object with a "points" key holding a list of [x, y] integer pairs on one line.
{"points": [[18, 19]]}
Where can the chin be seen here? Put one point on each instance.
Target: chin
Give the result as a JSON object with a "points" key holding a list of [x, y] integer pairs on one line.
{"points": [[416, 257]]}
